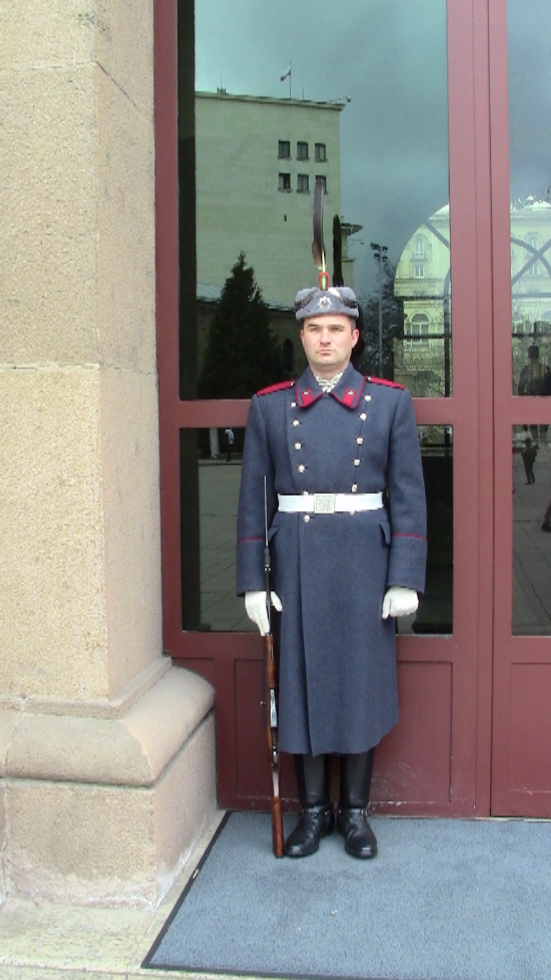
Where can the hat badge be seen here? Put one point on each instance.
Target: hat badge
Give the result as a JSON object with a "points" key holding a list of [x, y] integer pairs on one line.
{"points": [[324, 302]]}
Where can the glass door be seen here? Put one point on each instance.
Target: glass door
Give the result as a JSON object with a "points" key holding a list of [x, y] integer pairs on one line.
{"points": [[246, 120], [521, 769]]}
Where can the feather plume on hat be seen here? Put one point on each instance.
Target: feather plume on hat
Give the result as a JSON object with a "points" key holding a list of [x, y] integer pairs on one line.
{"points": [[318, 248], [314, 301]]}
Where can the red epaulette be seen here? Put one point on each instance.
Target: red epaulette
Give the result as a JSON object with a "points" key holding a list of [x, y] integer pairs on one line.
{"points": [[279, 387], [383, 381]]}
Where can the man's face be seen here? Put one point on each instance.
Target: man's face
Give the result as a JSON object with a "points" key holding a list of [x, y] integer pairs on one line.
{"points": [[328, 342]]}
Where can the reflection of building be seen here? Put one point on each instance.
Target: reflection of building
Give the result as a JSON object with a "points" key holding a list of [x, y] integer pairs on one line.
{"points": [[531, 292], [257, 162], [422, 360], [423, 357]]}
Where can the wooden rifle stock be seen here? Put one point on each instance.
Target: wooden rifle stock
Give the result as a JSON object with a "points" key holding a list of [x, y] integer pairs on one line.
{"points": [[273, 744], [272, 719]]}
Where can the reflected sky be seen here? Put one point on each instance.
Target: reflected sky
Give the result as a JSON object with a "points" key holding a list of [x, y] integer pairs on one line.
{"points": [[529, 28], [388, 57]]}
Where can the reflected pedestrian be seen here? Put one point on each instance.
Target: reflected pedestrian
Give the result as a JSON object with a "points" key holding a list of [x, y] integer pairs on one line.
{"points": [[529, 454], [230, 439]]}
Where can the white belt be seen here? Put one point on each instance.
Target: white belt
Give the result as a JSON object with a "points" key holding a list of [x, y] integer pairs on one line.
{"points": [[328, 503]]}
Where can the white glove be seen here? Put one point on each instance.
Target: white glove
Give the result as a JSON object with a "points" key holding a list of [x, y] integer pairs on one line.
{"points": [[255, 604], [400, 602]]}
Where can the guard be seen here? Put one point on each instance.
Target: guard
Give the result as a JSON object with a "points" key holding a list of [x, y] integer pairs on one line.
{"points": [[347, 533]]}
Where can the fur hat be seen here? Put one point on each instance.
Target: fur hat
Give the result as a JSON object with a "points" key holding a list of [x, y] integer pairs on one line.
{"points": [[319, 302]]}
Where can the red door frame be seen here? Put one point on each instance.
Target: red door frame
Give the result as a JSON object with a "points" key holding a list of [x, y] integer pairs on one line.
{"points": [[468, 653], [530, 653]]}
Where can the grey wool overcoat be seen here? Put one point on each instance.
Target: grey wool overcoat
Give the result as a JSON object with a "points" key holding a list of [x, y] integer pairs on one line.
{"points": [[337, 656]]}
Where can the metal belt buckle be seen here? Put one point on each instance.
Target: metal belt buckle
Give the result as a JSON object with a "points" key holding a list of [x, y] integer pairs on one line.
{"points": [[324, 503]]}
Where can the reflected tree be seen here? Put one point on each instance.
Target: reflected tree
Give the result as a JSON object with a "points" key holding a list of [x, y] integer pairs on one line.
{"points": [[382, 324], [242, 354]]}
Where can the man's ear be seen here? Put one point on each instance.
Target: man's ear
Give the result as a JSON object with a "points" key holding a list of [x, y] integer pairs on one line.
{"points": [[355, 336]]}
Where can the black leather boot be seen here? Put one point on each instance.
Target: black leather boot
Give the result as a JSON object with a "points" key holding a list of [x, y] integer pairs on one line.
{"points": [[317, 819], [352, 822]]}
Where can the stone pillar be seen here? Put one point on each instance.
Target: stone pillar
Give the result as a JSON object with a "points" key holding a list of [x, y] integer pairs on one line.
{"points": [[106, 750]]}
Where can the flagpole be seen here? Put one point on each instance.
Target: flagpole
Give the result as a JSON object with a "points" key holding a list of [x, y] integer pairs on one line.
{"points": [[288, 74]]}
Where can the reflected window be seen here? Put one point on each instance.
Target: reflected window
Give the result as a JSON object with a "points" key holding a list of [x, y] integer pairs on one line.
{"points": [[303, 183], [418, 271], [531, 613], [284, 150], [320, 152], [285, 182], [419, 248], [288, 356], [435, 612], [417, 330], [323, 179], [302, 151], [210, 463]]}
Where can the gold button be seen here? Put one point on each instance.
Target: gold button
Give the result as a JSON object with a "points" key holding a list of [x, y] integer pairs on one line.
{"points": [[306, 518], [296, 422], [298, 445], [354, 487], [356, 462], [359, 440], [301, 468], [363, 416]]}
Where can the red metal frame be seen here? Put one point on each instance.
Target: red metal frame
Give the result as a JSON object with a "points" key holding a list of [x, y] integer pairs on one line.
{"points": [[469, 410], [509, 410]]}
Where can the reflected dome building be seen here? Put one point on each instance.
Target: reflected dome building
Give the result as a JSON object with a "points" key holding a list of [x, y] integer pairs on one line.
{"points": [[422, 357]]}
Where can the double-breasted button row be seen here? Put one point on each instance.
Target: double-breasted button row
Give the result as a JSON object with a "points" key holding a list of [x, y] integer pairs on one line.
{"points": [[360, 442]]}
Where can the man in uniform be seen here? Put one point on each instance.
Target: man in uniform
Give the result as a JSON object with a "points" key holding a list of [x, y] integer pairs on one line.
{"points": [[346, 558]]}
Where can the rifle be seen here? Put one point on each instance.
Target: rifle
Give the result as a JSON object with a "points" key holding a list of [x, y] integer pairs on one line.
{"points": [[271, 702]]}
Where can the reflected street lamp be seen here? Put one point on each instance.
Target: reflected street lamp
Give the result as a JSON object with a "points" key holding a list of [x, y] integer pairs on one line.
{"points": [[379, 253]]}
